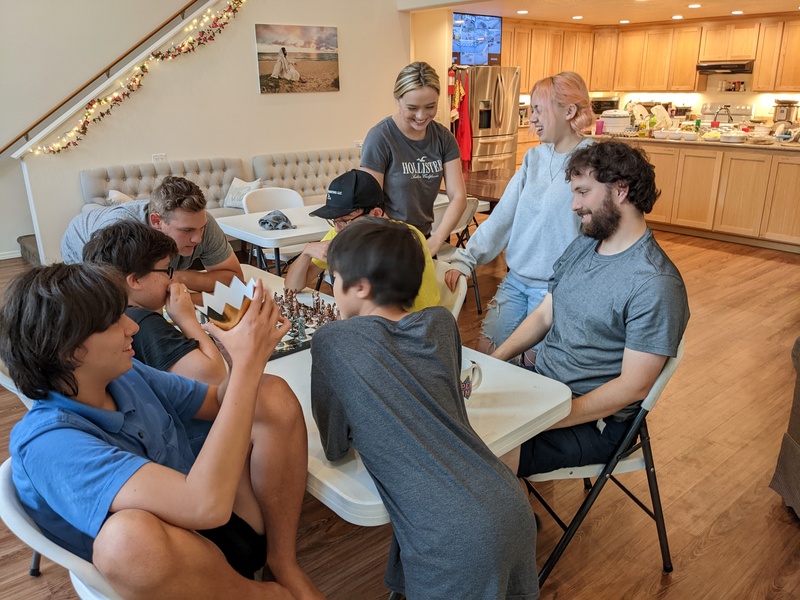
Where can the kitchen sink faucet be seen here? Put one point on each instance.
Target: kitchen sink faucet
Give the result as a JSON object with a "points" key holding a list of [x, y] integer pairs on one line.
{"points": [[725, 108]]}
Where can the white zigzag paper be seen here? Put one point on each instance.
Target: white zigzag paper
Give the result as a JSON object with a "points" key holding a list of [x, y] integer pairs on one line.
{"points": [[232, 295]]}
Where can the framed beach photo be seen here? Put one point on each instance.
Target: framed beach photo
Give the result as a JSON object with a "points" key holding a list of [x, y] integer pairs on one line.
{"points": [[297, 58]]}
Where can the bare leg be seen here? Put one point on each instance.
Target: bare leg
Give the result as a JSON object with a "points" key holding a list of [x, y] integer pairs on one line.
{"points": [[277, 473], [141, 556]]}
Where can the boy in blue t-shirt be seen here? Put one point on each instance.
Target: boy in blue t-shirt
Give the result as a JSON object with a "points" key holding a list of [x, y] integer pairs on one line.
{"points": [[102, 462]]}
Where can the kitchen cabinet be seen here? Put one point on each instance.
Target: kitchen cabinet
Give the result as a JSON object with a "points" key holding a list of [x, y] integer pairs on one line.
{"points": [[665, 161], [630, 52], [604, 58], [767, 57], [788, 76], [781, 220], [732, 41], [683, 75], [655, 61], [520, 55], [742, 192], [525, 141], [696, 187], [576, 53], [536, 51]]}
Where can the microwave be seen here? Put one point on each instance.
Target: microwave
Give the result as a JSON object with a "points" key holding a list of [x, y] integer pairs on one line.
{"points": [[604, 103]]}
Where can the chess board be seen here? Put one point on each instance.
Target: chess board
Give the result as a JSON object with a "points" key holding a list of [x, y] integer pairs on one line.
{"points": [[307, 312]]}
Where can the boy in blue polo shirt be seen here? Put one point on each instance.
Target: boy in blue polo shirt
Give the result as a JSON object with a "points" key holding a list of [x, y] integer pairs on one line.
{"points": [[102, 462]]}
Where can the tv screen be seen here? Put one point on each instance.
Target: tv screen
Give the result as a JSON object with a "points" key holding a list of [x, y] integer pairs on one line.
{"points": [[476, 39]]}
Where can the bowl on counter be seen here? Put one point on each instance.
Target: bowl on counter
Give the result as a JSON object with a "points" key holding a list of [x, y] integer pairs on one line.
{"points": [[733, 137], [661, 134], [676, 135], [690, 136]]}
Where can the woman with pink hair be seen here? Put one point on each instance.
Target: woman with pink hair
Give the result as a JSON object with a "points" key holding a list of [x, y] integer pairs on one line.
{"points": [[533, 222]]}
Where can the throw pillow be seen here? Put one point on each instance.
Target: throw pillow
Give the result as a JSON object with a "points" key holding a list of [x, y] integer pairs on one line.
{"points": [[116, 197], [236, 192]]}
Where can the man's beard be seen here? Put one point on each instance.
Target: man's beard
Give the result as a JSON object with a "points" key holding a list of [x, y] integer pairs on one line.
{"points": [[604, 222]]}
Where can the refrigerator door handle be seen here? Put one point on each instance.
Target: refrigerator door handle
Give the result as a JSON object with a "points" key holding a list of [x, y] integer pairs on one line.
{"points": [[499, 101]]}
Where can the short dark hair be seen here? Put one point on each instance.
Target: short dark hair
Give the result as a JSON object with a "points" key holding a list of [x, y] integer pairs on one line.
{"points": [[387, 254], [617, 162], [47, 313], [176, 193], [130, 246]]}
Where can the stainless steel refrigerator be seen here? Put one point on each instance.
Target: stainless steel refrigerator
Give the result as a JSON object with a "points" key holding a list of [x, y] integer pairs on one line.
{"points": [[494, 116]]}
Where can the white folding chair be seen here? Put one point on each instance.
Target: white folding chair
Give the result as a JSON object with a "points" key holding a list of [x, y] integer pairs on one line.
{"points": [[86, 579], [267, 200], [461, 231], [450, 300], [629, 456], [8, 383]]}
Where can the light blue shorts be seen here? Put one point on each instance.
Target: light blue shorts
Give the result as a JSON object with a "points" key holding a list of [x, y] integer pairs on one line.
{"points": [[512, 302]]}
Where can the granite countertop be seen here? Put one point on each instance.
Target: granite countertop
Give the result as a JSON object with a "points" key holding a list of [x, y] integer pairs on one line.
{"points": [[777, 146]]}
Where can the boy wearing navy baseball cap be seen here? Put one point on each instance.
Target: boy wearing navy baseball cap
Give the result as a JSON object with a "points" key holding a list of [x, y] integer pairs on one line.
{"points": [[353, 195]]}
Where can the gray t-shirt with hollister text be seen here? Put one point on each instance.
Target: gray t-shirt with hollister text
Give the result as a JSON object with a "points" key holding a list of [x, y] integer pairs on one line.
{"points": [[635, 299], [413, 169]]}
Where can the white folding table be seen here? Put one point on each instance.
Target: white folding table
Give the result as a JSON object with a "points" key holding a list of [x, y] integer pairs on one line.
{"points": [[511, 406]]}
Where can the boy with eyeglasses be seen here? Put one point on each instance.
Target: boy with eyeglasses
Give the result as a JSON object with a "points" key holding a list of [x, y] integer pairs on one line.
{"points": [[353, 195], [143, 256]]}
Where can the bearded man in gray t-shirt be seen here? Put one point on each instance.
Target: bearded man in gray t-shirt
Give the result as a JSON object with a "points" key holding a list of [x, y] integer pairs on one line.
{"points": [[616, 308]]}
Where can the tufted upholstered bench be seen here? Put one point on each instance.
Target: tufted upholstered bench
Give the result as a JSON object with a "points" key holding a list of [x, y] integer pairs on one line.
{"points": [[308, 173], [212, 175]]}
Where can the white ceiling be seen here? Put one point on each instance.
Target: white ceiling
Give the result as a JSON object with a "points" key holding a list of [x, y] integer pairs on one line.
{"points": [[610, 12]]}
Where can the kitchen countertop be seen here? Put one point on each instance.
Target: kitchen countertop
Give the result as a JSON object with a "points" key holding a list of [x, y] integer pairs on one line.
{"points": [[776, 147]]}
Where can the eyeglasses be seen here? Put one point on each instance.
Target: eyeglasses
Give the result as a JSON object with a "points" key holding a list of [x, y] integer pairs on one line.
{"points": [[169, 271], [341, 222]]}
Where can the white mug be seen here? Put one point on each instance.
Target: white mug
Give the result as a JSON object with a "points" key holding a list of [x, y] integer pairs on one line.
{"points": [[471, 376]]}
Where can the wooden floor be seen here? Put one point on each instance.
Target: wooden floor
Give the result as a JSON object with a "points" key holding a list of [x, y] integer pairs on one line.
{"points": [[716, 434]]}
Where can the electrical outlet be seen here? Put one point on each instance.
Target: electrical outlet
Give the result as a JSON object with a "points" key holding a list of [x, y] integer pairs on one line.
{"points": [[159, 158], [358, 143]]}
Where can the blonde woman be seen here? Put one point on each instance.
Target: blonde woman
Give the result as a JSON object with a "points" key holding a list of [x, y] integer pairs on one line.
{"points": [[409, 154], [533, 222]]}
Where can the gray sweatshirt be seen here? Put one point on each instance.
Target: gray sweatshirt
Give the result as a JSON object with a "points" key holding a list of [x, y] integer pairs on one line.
{"points": [[533, 222]]}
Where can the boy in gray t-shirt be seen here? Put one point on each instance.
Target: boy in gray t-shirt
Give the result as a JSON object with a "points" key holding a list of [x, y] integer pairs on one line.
{"points": [[615, 310], [386, 382]]}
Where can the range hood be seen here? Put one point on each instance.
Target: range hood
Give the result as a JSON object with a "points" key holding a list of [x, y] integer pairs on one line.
{"points": [[711, 68]]}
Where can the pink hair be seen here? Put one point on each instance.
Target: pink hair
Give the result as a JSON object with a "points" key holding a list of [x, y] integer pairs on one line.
{"points": [[564, 89]]}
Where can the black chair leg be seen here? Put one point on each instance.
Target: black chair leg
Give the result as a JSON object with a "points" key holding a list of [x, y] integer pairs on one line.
{"points": [[35, 562], [655, 499], [477, 292]]}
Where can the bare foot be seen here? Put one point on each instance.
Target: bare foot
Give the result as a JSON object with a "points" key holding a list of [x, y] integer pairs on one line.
{"points": [[294, 579]]}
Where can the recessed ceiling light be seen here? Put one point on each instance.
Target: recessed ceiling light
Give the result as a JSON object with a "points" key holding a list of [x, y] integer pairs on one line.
{"points": [[577, 17], [624, 21], [677, 17], [737, 12], [694, 6], [522, 12]]}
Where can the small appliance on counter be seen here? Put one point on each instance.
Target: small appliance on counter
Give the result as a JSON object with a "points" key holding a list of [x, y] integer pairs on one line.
{"points": [[615, 121], [785, 112], [681, 111], [604, 103]]}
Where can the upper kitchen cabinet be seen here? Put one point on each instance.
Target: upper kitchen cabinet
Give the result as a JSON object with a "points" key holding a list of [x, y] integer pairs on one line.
{"points": [[535, 50], [788, 75], [516, 52], [604, 58], [576, 53], [630, 52], [767, 57], [731, 41], [643, 60], [683, 75]]}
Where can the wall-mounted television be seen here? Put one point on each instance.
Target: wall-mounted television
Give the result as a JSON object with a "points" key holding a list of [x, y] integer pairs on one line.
{"points": [[476, 39]]}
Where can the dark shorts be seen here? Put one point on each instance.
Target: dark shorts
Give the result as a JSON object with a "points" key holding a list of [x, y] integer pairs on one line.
{"points": [[245, 550], [570, 447]]}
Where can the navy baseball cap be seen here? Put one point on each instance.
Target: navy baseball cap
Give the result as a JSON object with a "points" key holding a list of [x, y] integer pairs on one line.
{"points": [[348, 192]]}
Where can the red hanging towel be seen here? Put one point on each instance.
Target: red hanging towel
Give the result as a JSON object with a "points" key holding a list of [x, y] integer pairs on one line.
{"points": [[464, 129]]}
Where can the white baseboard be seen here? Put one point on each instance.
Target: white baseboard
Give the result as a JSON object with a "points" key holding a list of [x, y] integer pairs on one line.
{"points": [[11, 254]]}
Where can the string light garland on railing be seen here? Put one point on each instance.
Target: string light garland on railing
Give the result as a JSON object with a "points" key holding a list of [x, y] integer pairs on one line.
{"points": [[208, 27]]}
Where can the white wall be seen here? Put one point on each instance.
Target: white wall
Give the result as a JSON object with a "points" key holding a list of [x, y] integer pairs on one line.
{"points": [[431, 42], [207, 104], [49, 48]]}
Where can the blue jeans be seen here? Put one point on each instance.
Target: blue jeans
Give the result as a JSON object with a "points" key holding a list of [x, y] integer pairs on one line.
{"points": [[512, 302]]}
